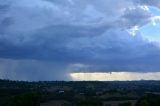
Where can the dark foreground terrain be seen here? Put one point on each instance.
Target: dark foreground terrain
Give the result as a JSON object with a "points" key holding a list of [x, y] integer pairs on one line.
{"points": [[82, 93]]}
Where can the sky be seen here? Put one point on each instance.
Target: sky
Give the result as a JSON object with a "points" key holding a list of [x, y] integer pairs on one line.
{"points": [[59, 39]]}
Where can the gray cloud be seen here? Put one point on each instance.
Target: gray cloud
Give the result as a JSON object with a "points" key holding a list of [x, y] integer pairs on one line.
{"points": [[79, 35]]}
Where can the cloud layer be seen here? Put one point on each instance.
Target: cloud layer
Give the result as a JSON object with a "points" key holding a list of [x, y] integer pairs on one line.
{"points": [[78, 35]]}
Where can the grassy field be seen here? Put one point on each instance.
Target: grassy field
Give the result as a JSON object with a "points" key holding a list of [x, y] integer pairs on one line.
{"points": [[116, 103], [62, 102], [55, 103]]}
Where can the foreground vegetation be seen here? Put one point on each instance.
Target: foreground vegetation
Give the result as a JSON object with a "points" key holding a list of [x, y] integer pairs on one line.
{"points": [[83, 93]]}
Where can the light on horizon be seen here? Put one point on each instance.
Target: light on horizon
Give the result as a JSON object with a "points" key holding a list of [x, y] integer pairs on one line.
{"points": [[115, 76]]}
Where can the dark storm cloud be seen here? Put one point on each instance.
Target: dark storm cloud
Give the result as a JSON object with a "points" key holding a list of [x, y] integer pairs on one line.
{"points": [[74, 35], [149, 2]]}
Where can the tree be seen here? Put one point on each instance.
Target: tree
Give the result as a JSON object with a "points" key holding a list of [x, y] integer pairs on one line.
{"points": [[125, 104], [90, 102], [108, 105], [27, 99], [143, 103]]}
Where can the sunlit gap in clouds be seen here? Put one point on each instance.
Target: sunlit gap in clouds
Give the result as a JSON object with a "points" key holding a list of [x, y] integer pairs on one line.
{"points": [[115, 76]]}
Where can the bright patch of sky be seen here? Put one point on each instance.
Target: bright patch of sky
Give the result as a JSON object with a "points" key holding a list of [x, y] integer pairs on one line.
{"points": [[152, 30]]}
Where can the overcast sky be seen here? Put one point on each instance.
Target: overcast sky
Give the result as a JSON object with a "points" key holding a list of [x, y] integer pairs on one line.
{"points": [[48, 39]]}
